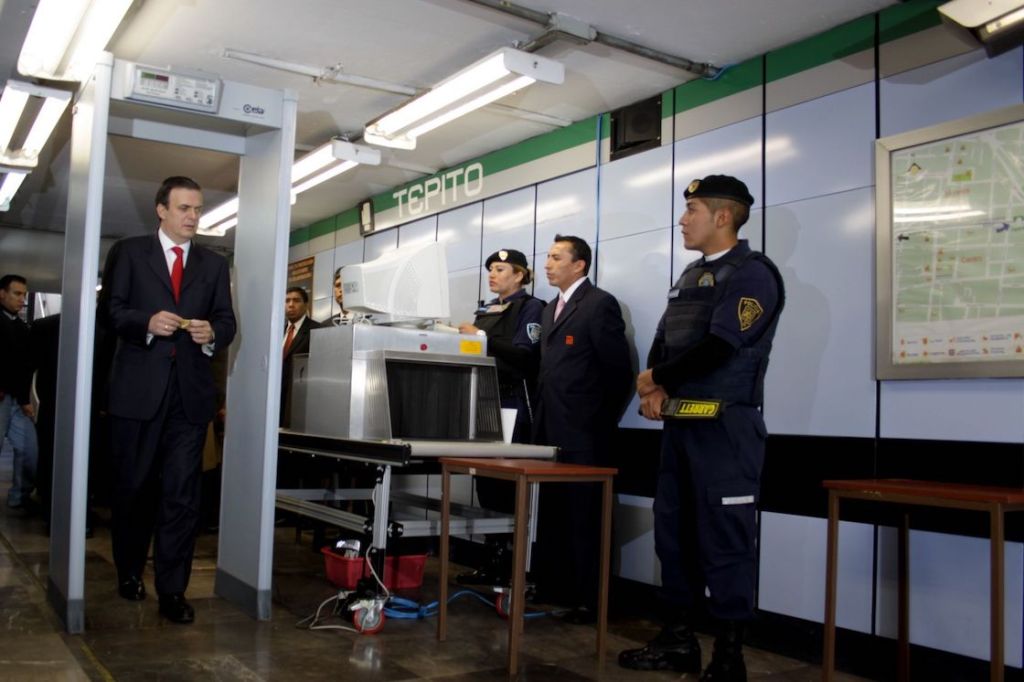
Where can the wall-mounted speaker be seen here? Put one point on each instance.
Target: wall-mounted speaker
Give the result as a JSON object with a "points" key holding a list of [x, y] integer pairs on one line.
{"points": [[636, 128]]}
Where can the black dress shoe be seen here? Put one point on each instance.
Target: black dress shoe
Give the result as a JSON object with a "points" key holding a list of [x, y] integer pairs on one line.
{"points": [[132, 589], [174, 608]]}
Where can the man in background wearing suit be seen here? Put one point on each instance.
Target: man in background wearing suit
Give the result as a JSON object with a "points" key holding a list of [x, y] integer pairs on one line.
{"points": [[169, 302], [342, 317], [584, 386], [296, 341]]}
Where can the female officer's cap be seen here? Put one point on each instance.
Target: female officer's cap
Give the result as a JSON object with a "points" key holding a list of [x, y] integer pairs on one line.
{"points": [[510, 256], [719, 187]]}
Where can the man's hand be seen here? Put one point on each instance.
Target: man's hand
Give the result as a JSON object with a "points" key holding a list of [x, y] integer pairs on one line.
{"points": [[645, 383], [164, 323], [201, 331], [467, 328], [650, 404], [29, 411]]}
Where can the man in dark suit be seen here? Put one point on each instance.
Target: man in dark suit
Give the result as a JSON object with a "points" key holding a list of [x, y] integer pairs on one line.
{"points": [[296, 341], [16, 411], [584, 386], [169, 302]]}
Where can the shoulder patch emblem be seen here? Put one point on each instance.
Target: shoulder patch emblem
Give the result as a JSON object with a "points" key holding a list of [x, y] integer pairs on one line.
{"points": [[749, 311], [533, 331], [706, 280]]}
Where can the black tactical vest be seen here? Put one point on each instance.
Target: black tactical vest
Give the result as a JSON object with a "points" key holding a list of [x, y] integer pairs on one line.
{"points": [[688, 320]]}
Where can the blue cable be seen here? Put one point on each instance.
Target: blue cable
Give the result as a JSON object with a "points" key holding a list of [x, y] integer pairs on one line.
{"points": [[406, 609]]}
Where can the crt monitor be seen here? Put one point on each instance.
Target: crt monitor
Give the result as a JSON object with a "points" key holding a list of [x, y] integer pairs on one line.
{"points": [[409, 282]]}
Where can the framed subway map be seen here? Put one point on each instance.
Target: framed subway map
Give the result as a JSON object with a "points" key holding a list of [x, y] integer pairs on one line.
{"points": [[950, 249]]}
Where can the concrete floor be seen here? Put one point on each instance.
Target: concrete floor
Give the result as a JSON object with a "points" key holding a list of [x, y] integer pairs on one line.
{"points": [[129, 641]]}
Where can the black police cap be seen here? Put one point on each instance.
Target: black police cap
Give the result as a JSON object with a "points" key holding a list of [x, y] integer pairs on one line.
{"points": [[510, 256], [719, 187]]}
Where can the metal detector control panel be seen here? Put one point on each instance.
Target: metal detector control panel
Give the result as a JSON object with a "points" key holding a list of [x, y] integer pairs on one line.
{"points": [[178, 90]]}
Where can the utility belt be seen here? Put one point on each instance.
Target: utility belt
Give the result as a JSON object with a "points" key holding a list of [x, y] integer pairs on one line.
{"points": [[683, 409]]}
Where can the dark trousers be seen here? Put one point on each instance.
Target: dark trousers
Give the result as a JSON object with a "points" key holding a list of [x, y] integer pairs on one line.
{"points": [[705, 524], [157, 477]]}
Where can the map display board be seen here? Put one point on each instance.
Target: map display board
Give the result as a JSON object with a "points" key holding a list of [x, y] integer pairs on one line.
{"points": [[951, 249]]}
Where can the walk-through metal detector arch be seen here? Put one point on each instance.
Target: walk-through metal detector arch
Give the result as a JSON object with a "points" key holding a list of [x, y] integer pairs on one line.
{"points": [[257, 124]]}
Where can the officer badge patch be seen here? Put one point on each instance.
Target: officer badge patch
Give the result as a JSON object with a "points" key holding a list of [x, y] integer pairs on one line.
{"points": [[706, 280], [749, 311], [693, 187], [533, 331], [503, 256]]}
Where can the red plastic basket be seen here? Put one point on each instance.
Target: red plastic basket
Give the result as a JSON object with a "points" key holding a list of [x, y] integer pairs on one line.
{"points": [[400, 572]]}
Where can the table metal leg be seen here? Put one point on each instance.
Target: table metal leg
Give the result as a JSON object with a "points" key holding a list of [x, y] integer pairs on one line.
{"points": [[831, 567], [442, 600], [996, 628], [903, 595]]}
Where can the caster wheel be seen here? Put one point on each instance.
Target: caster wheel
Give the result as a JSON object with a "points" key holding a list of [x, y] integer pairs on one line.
{"points": [[368, 621], [502, 604]]}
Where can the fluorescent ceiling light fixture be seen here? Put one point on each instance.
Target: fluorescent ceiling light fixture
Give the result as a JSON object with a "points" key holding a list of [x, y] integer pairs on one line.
{"points": [[323, 163], [997, 24], [9, 187], [13, 104], [493, 77], [66, 37]]}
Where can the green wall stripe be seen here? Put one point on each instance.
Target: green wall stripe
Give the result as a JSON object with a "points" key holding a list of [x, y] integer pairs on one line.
{"points": [[910, 17], [606, 126], [668, 107], [738, 78], [346, 218], [581, 132], [322, 227], [299, 236], [842, 41]]}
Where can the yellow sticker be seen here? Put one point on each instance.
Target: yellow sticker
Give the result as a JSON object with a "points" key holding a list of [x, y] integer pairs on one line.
{"points": [[698, 409], [471, 347], [749, 311]]}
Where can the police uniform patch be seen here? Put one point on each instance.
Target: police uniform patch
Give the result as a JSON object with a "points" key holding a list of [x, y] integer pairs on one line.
{"points": [[533, 331], [503, 255], [693, 186], [706, 280], [749, 311]]}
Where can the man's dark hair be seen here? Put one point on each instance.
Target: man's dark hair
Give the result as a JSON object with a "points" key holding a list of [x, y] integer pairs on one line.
{"points": [[174, 182], [300, 291], [580, 250], [337, 274], [5, 281]]}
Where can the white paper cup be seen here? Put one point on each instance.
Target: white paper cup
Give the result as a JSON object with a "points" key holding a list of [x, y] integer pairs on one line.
{"points": [[508, 422]]}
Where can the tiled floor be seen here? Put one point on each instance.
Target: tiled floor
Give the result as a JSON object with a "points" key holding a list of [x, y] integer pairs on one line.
{"points": [[128, 641]]}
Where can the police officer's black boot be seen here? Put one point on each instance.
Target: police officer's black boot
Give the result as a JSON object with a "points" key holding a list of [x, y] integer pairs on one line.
{"points": [[727, 659], [675, 648]]}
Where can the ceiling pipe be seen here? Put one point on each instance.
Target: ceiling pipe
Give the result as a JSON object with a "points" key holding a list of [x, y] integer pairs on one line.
{"points": [[561, 26]]}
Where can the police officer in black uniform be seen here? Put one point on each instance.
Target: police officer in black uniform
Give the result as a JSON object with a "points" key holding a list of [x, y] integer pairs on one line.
{"points": [[705, 378], [511, 323]]}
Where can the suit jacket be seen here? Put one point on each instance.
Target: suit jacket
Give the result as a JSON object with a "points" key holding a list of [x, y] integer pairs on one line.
{"points": [[136, 285], [585, 377], [300, 344], [15, 359]]}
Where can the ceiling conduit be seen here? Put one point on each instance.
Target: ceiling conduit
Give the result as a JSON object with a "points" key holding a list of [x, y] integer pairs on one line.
{"points": [[563, 27]]}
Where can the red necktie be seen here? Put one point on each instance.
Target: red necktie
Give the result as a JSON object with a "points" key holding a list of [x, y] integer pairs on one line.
{"points": [[288, 338], [177, 270]]}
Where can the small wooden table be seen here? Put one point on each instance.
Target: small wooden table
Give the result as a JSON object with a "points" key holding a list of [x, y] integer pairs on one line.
{"points": [[996, 501], [525, 472]]}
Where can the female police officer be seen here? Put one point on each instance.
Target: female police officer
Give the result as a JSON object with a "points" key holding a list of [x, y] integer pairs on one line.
{"points": [[511, 323]]}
